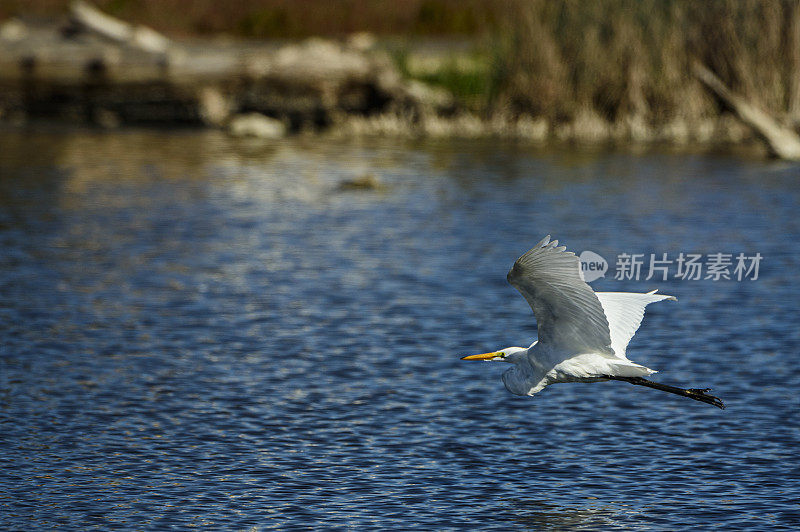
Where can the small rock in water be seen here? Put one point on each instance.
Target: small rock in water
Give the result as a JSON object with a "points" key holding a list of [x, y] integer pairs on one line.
{"points": [[364, 182], [256, 125]]}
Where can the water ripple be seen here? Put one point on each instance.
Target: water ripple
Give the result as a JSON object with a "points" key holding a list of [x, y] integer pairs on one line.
{"points": [[199, 334]]}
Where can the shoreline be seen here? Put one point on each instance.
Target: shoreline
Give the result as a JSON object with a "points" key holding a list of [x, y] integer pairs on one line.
{"points": [[95, 70], [750, 150]]}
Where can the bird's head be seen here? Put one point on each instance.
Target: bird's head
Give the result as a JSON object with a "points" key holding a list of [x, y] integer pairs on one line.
{"points": [[509, 354]]}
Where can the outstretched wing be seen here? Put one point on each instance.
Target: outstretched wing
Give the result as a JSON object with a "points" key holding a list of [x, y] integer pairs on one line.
{"points": [[624, 312], [568, 314]]}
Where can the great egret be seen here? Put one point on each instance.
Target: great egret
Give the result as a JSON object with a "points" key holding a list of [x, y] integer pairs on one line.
{"points": [[583, 334]]}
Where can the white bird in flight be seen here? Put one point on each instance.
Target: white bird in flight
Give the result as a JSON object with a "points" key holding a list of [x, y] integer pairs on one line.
{"points": [[583, 334]]}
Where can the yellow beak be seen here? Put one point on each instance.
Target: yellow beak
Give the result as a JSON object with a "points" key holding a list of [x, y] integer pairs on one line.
{"points": [[482, 356]]}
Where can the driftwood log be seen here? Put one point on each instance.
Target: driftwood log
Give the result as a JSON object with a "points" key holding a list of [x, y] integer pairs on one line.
{"points": [[782, 141], [92, 19]]}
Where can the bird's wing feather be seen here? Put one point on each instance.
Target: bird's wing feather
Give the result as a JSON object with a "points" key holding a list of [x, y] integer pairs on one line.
{"points": [[624, 312], [568, 314]]}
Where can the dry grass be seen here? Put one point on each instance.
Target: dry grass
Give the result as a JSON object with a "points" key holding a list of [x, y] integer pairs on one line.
{"points": [[626, 58]]}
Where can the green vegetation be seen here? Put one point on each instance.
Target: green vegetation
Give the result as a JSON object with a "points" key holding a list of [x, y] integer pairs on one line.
{"points": [[466, 74]]}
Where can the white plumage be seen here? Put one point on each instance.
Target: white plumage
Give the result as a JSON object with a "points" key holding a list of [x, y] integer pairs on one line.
{"points": [[624, 312], [583, 334]]}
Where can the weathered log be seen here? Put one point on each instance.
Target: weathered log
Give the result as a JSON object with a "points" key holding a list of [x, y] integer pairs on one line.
{"points": [[782, 141], [92, 19]]}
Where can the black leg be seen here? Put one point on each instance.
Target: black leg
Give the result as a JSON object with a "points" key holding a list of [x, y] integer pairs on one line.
{"points": [[692, 393]]}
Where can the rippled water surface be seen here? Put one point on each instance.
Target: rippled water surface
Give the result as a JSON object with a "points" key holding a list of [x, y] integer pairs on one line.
{"points": [[197, 331]]}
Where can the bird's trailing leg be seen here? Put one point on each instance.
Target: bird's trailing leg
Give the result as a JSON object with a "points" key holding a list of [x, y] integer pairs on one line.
{"points": [[692, 393]]}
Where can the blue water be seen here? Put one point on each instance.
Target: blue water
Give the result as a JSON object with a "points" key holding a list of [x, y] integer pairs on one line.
{"points": [[197, 331]]}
